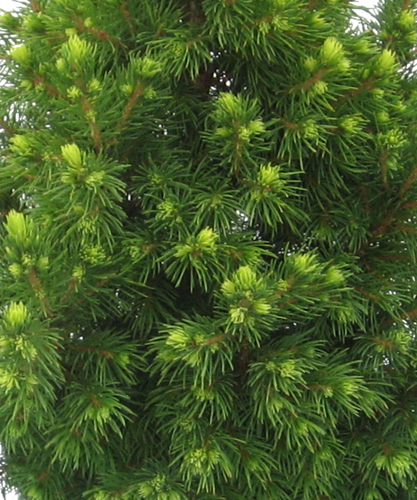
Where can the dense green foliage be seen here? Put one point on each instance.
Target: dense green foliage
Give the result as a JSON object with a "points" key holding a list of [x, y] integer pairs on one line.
{"points": [[208, 250]]}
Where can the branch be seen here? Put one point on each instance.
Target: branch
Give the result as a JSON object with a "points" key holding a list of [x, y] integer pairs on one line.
{"points": [[101, 34], [35, 6], [408, 183], [128, 17], [311, 4], [49, 88], [87, 107], [106, 354], [384, 169], [392, 257], [195, 13], [406, 229], [218, 338], [243, 360], [368, 84], [371, 296], [7, 128], [410, 204], [410, 314], [137, 92], [386, 223], [37, 287], [290, 125], [365, 197], [311, 81], [104, 36]]}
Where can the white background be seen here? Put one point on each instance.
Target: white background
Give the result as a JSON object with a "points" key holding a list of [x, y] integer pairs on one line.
{"points": [[9, 5]]}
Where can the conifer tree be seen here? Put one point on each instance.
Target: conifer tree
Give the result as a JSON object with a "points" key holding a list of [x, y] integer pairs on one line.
{"points": [[208, 250]]}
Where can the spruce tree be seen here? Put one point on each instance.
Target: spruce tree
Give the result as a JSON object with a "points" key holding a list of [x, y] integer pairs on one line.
{"points": [[208, 250]]}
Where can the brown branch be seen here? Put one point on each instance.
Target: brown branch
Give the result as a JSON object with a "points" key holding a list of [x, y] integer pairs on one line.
{"points": [[410, 204], [217, 338], [101, 34], [137, 92], [128, 17], [384, 169], [99, 283], [7, 128], [42, 477], [307, 84], [37, 287], [71, 288], [410, 314], [195, 13], [319, 387], [385, 343], [105, 36], [49, 88], [365, 197], [243, 360], [365, 85], [371, 296], [287, 303], [391, 257], [312, 3], [87, 107], [106, 354], [408, 183], [35, 5], [96, 401], [382, 229], [290, 125], [406, 229], [73, 284]]}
